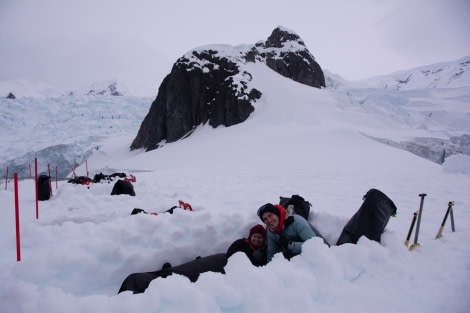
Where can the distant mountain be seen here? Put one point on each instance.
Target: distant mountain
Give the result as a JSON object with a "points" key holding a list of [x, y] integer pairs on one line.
{"points": [[22, 88], [412, 89], [453, 74], [110, 90], [113, 87], [117, 87]]}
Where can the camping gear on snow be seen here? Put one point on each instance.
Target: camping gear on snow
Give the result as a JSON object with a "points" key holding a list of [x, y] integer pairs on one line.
{"points": [[123, 187], [121, 175], [300, 205], [98, 177], [138, 282], [412, 226], [137, 211], [80, 180], [44, 187], [183, 205], [418, 221], [370, 220], [302, 208], [131, 179], [450, 210]]}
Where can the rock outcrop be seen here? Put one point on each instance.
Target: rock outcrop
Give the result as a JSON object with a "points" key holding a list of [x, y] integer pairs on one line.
{"points": [[212, 85]]}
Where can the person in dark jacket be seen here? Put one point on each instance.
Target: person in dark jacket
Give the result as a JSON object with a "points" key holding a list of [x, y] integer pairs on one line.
{"points": [[287, 231], [254, 246]]}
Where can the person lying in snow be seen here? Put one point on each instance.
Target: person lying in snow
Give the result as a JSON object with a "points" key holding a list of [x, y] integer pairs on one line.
{"points": [[287, 231], [254, 247]]}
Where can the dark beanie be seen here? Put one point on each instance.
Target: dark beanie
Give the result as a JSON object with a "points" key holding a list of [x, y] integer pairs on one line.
{"points": [[258, 229], [268, 207]]}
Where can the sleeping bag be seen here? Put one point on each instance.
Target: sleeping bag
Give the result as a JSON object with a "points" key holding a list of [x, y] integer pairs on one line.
{"points": [[138, 282], [370, 220], [44, 187], [122, 187]]}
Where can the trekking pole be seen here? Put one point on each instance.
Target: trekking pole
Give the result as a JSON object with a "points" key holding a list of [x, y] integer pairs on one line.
{"points": [[452, 217], [418, 223], [449, 211], [413, 222]]}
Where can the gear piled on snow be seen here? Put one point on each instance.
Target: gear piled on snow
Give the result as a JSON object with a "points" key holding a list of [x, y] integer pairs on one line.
{"points": [[450, 211], [301, 207], [185, 206], [418, 221], [370, 220], [138, 282], [299, 204], [44, 187], [123, 187], [85, 180]]}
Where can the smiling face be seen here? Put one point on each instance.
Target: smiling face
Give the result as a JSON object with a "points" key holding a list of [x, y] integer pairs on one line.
{"points": [[271, 220], [257, 240]]}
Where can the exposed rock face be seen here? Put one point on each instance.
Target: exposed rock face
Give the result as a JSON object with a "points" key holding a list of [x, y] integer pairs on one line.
{"points": [[285, 53], [211, 85], [110, 90]]}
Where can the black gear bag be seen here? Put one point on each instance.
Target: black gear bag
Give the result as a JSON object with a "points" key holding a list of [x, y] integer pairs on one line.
{"points": [[370, 220]]}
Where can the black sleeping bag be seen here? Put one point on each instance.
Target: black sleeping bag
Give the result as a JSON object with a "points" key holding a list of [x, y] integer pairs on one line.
{"points": [[370, 220], [138, 282], [123, 187], [44, 187]]}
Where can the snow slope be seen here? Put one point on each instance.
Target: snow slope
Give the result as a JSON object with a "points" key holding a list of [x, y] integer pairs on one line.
{"points": [[299, 140]]}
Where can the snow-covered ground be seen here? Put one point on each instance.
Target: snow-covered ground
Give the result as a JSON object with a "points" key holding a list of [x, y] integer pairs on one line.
{"points": [[299, 140]]}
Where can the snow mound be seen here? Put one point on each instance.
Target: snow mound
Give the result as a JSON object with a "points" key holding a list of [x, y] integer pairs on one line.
{"points": [[457, 164]]}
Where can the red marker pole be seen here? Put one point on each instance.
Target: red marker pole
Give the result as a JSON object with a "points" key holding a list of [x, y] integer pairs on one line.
{"points": [[17, 219], [36, 183], [50, 180]]}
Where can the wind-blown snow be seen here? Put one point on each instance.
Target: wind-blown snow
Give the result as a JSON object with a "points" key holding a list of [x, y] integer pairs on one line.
{"points": [[299, 140]]}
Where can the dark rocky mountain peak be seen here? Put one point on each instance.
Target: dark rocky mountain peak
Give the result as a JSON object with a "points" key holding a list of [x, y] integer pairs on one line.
{"points": [[281, 36], [212, 85]]}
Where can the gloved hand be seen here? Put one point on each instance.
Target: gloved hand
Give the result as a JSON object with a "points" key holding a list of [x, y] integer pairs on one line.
{"points": [[259, 258], [282, 243]]}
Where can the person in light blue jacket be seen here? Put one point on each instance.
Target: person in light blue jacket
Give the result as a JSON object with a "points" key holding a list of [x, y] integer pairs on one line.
{"points": [[287, 231]]}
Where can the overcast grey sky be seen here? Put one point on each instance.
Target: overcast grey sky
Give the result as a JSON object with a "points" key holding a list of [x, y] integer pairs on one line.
{"points": [[71, 44]]}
